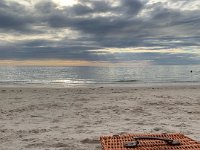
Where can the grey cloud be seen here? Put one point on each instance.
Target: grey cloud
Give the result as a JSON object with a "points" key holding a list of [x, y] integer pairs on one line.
{"points": [[164, 22], [45, 7], [96, 7], [104, 24], [71, 52], [123, 20], [164, 16], [44, 49], [161, 58], [99, 24], [132, 6], [13, 16]]}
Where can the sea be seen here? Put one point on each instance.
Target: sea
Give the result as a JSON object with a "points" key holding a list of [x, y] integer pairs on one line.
{"points": [[97, 76]]}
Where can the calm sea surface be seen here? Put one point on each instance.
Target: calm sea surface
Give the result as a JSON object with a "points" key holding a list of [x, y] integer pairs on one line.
{"points": [[73, 76]]}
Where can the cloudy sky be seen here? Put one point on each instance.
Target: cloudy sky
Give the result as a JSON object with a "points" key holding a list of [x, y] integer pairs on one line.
{"points": [[164, 32]]}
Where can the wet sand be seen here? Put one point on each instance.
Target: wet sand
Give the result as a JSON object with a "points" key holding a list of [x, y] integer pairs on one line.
{"points": [[75, 118]]}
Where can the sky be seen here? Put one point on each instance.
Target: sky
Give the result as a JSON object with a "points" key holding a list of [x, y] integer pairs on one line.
{"points": [[92, 32]]}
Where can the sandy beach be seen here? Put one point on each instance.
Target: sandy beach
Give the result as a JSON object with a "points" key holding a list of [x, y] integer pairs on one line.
{"points": [[74, 118]]}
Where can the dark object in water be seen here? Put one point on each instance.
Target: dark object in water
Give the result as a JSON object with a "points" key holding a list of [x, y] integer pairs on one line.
{"points": [[191, 71]]}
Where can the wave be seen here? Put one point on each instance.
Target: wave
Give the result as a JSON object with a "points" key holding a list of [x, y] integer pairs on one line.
{"points": [[13, 81], [75, 82], [128, 81]]}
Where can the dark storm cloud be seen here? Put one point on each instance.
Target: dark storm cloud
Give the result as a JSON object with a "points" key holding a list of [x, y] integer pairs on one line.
{"points": [[44, 49], [130, 7], [131, 23], [14, 16], [124, 26], [71, 52], [97, 6], [70, 17]]}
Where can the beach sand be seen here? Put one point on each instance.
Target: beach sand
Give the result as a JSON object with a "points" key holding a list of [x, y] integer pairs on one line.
{"points": [[75, 118]]}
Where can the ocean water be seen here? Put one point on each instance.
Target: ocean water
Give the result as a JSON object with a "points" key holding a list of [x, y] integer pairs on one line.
{"points": [[76, 76]]}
